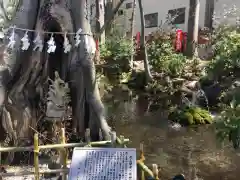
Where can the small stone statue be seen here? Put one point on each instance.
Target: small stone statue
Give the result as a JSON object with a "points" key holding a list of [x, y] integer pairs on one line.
{"points": [[58, 97]]}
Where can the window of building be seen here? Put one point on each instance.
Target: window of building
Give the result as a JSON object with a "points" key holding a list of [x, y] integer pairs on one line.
{"points": [[120, 12], [129, 5], [177, 16], [151, 20]]}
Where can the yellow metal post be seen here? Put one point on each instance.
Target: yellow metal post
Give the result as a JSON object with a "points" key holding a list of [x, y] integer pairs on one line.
{"points": [[36, 160], [64, 157]]}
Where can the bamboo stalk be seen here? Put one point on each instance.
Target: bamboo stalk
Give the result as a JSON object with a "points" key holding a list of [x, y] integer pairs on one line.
{"points": [[16, 149], [36, 160], [87, 137], [113, 138], [142, 158], [24, 173], [64, 157], [145, 168], [100, 135], [119, 141], [122, 141], [56, 146], [155, 171]]}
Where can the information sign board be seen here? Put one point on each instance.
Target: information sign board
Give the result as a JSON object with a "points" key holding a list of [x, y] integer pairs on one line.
{"points": [[103, 164]]}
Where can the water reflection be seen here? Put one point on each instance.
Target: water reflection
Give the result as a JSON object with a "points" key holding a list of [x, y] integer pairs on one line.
{"points": [[193, 152]]}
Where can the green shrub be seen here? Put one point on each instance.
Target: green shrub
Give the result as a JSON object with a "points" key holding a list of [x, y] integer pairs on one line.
{"points": [[116, 52], [162, 56], [228, 123], [226, 61], [117, 49], [191, 115]]}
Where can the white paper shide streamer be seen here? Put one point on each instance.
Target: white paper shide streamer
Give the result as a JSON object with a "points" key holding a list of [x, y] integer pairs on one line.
{"points": [[38, 43], [77, 38], [12, 40], [66, 44], [25, 41], [51, 45]]}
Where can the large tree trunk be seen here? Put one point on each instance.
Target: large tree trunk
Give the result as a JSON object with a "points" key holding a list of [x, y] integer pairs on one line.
{"points": [[89, 103], [100, 13], [209, 11], [25, 74], [193, 28], [143, 42], [108, 11], [132, 30], [15, 110]]}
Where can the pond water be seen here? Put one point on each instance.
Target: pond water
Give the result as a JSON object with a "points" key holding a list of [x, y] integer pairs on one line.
{"points": [[193, 152]]}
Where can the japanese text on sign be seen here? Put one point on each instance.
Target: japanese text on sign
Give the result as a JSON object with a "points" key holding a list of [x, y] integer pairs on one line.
{"points": [[103, 164]]}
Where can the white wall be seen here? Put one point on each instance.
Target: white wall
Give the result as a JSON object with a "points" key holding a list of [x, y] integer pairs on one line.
{"points": [[122, 22], [162, 7]]}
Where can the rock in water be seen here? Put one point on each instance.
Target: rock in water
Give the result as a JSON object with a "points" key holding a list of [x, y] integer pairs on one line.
{"points": [[212, 93], [179, 177], [191, 85]]}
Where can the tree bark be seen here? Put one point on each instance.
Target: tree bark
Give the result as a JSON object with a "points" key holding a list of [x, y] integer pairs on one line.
{"points": [[132, 30], [209, 10], [142, 44], [108, 12], [193, 28], [16, 111], [86, 91], [109, 21], [100, 12], [24, 75]]}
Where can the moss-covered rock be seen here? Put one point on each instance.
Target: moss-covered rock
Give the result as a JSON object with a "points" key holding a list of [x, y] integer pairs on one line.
{"points": [[191, 116]]}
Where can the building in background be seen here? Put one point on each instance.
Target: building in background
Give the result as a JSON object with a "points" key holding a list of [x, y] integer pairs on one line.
{"points": [[156, 12], [122, 21]]}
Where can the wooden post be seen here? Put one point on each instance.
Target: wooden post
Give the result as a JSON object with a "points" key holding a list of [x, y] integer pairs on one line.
{"points": [[155, 171], [36, 160], [63, 153], [142, 158], [113, 138]]}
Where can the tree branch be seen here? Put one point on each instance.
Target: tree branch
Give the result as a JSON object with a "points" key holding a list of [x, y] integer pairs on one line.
{"points": [[111, 17], [3, 10]]}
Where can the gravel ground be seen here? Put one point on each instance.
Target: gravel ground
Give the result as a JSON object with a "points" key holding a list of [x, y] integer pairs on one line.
{"points": [[25, 169]]}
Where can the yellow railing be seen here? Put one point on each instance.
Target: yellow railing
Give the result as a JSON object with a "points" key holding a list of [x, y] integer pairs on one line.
{"points": [[64, 156]]}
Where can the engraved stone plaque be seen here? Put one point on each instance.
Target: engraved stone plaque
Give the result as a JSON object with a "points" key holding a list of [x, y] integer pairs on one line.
{"points": [[103, 164]]}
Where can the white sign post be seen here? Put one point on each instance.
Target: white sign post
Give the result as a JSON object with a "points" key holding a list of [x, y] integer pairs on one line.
{"points": [[103, 164]]}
